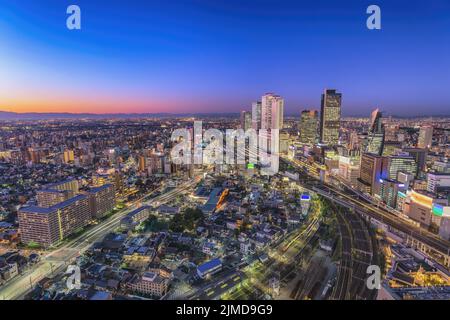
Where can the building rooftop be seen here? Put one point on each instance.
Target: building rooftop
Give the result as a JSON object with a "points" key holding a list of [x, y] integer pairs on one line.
{"points": [[100, 188], [214, 263], [58, 206]]}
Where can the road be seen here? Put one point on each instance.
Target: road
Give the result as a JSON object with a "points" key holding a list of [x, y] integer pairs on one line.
{"points": [[57, 260]]}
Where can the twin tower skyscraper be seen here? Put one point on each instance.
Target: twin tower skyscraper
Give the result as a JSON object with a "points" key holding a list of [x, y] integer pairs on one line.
{"points": [[269, 113]]}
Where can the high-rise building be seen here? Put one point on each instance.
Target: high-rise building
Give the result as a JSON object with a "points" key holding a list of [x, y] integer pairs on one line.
{"points": [[330, 117], [425, 137], [420, 155], [142, 163], [309, 126], [272, 111], [256, 115], [101, 200], [246, 120], [55, 193], [375, 136], [373, 170], [389, 190], [69, 184], [49, 197], [69, 156], [437, 182], [400, 163], [46, 226]]}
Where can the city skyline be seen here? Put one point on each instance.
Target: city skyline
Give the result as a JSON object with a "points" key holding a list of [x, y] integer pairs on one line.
{"points": [[209, 57]]}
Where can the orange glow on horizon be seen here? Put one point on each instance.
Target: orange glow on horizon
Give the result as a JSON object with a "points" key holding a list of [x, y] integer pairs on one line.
{"points": [[94, 106]]}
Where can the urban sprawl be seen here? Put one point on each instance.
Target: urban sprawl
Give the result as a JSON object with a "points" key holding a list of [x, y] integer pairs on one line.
{"points": [[103, 199]]}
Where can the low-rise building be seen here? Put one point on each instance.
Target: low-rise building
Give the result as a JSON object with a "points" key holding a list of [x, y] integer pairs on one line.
{"points": [[209, 268]]}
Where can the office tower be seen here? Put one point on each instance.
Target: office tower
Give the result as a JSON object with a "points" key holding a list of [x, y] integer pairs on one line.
{"points": [[142, 163], [425, 137], [246, 120], [400, 163], [373, 169], [284, 143], [330, 117], [46, 226], [420, 155], [389, 190], [101, 200], [375, 136], [69, 156], [256, 115], [309, 126], [272, 111]]}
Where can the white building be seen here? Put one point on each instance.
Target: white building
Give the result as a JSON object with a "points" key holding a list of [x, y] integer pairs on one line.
{"points": [[425, 137], [272, 111], [437, 180]]}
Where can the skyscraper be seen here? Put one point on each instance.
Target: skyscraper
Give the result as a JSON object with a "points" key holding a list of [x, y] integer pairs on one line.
{"points": [[256, 115], [375, 136], [309, 126], [272, 111], [373, 170], [330, 117], [69, 156], [246, 120], [425, 137], [401, 163]]}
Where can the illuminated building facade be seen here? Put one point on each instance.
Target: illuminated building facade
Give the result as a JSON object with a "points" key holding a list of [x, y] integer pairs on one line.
{"points": [[400, 163], [272, 111], [389, 190], [330, 117], [101, 200], [375, 137], [256, 115], [46, 226], [246, 120], [372, 170], [425, 137], [309, 126], [418, 206]]}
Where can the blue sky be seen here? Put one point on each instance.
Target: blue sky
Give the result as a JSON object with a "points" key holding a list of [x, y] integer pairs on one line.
{"points": [[219, 56]]}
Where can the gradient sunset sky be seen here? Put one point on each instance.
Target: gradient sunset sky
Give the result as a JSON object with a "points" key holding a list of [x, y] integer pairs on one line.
{"points": [[220, 55]]}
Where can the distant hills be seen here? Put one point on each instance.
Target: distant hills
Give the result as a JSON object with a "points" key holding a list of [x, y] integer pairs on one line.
{"points": [[6, 115]]}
